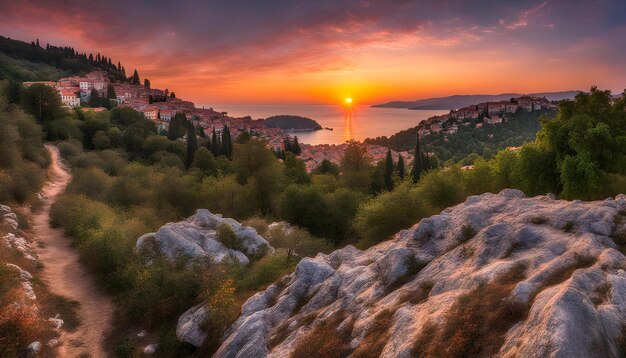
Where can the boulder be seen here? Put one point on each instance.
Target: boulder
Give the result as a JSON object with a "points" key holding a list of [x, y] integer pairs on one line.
{"points": [[197, 238], [190, 323], [558, 260]]}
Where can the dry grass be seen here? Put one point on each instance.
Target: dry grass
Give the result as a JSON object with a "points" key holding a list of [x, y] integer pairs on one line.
{"points": [[539, 220], [414, 266], [600, 294], [19, 326], [324, 341], [377, 337], [560, 275], [476, 324], [467, 232], [418, 295]]}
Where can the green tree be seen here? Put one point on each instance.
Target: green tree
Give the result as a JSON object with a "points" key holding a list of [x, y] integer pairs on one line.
{"points": [[226, 142], [177, 127], [257, 167], [400, 169], [326, 167], [389, 170], [135, 79], [295, 170], [192, 144], [204, 161], [215, 147], [44, 102], [356, 167], [243, 137], [111, 92], [418, 162], [94, 99]]}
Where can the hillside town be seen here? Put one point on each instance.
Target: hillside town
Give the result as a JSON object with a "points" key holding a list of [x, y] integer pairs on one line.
{"points": [[160, 106], [483, 113]]}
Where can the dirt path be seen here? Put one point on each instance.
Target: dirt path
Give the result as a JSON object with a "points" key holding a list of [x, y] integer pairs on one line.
{"points": [[65, 276]]}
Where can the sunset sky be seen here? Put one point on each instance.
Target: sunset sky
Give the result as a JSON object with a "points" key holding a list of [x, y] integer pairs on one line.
{"points": [[321, 51]]}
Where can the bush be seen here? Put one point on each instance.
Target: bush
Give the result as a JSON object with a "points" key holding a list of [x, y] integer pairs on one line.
{"points": [[226, 235], [390, 212], [476, 324], [263, 272]]}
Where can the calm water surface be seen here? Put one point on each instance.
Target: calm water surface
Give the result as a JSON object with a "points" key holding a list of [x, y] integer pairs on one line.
{"points": [[360, 123]]}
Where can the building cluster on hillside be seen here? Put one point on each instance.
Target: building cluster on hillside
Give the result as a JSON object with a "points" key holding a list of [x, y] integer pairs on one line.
{"points": [[482, 113], [76, 90], [313, 155]]}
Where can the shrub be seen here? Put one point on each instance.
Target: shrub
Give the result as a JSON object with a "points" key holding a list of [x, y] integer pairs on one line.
{"points": [[569, 226], [388, 213], [19, 326], [418, 295], [476, 324], [467, 232], [562, 273], [539, 220], [263, 272], [226, 235], [377, 337], [322, 342]]}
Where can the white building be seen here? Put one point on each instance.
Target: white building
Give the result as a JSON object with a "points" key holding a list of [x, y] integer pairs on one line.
{"points": [[151, 113], [167, 114], [70, 99]]}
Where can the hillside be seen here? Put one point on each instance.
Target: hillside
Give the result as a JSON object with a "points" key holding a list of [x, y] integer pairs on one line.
{"points": [[484, 141], [458, 101], [498, 275], [292, 122], [21, 61]]}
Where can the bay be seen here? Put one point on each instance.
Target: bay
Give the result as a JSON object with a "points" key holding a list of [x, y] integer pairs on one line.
{"points": [[358, 123]]}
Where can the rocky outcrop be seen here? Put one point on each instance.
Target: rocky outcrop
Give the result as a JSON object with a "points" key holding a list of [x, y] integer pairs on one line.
{"points": [[197, 237], [8, 217], [547, 274], [189, 328]]}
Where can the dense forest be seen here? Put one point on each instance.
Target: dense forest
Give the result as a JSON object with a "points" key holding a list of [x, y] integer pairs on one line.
{"points": [[129, 180], [484, 141], [21, 61]]}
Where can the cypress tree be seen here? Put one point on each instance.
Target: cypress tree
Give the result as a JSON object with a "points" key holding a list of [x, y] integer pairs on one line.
{"points": [[226, 143], [146, 82], [135, 79], [200, 131], [389, 170], [94, 99], [192, 143], [214, 148], [418, 163], [296, 146], [111, 92], [401, 166]]}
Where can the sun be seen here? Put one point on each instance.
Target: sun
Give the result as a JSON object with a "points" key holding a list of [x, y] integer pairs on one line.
{"points": [[348, 100]]}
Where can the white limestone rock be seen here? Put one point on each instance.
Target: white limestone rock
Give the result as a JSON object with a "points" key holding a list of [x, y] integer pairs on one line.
{"points": [[582, 316], [25, 278], [20, 244], [56, 322], [150, 348], [190, 323], [197, 238], [33, 349]]}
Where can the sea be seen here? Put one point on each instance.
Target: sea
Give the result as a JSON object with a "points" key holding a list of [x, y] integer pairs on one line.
{"points": [[357, 122]]}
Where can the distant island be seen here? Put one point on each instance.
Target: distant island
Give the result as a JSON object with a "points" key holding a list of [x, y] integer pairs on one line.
{"points": [[292, 122], [458, 101]]}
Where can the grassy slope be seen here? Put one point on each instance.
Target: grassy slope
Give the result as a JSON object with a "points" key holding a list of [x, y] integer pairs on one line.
{"points": [[23, 70]]}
